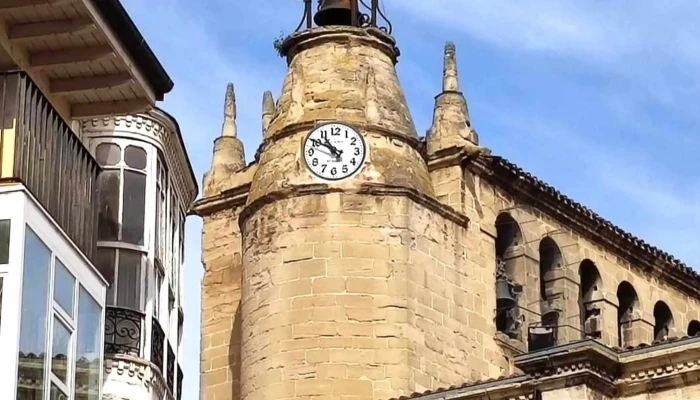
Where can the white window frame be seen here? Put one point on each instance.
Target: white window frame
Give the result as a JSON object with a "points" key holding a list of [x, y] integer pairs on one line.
{"points": [[62, 248], [57, 312]]}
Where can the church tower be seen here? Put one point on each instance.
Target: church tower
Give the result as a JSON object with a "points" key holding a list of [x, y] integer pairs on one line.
{"points": [[332, 269]]}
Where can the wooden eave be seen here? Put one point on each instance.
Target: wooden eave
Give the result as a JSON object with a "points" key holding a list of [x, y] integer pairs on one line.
{"points": [[69, 50]]}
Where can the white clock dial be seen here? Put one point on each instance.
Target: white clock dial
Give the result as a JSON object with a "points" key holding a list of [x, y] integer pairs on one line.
{"points": [[334, 151]]}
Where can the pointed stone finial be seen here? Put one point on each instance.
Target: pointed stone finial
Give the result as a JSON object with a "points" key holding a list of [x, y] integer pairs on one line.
{"points": [[450, 78], [268, 111], [229, 129], [229, 154]]}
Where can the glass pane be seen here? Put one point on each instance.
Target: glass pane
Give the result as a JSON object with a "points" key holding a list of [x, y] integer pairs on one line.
{"points": [[56, 394], [60, 350], [108, 228], [135, 157], [88, 366], [108, 154], [64, 288], [105, 263], [35, 300], [134, 207], [129, 280], [4, 241]]}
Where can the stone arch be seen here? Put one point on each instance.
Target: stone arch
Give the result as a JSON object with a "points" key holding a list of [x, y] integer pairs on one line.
{"points": [[663, 321], [693, 328], [509, 275], [590, 296], [508, 234], [550, 259], [628, 304]]}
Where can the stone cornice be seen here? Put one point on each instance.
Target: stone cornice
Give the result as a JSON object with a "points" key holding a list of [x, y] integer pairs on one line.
{"points": [[365, 189], [231, 198], [588, 362], [373, 37]]}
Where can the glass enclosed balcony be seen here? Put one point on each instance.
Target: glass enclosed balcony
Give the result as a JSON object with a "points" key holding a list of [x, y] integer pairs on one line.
{"points": [[40, 150]]}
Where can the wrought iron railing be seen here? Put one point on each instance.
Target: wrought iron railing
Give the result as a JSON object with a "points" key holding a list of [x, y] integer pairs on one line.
{"points": [[180, 377], [170, 376], [361, 14], [38, 148], [123, 331], [157, 343]]}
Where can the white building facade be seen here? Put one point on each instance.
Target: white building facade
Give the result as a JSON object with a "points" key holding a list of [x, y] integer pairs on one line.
{"points": [[146, 188]]}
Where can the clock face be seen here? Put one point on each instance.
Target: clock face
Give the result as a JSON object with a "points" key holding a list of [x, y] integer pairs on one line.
{"points": [[334, 151]]}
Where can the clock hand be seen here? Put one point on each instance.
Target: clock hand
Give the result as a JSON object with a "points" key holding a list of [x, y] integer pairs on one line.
{"points": [[333, 148]]}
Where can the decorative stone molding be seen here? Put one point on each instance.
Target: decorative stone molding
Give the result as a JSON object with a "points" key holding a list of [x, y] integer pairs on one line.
{"points": [[143, 370], [160, 126]]}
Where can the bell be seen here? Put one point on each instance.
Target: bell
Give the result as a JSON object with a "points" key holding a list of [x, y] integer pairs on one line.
{"points": [[334, 12], [541, 338], [504, 297]]}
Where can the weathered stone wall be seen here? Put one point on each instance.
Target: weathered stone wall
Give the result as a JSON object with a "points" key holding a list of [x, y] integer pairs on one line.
{"points": [[490, 201], [690, 392], [359, 295], [221, 316]]}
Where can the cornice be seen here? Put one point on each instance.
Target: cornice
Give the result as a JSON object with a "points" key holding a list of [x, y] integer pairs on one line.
{"points": [[231, 198], [370, 189]]}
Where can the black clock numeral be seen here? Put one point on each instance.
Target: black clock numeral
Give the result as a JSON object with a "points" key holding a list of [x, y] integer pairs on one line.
{"points": [[346, 134], [335, 131], [310, 152], [315, 142], [324, 134], [334, 171], [323, 167], [353, 162], [345, 169], [353, 141], [357, 151], [314, 162]]}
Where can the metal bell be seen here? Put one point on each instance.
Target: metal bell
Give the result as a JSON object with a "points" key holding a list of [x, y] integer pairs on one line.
{"points": [[334, 12], [504, 296]]}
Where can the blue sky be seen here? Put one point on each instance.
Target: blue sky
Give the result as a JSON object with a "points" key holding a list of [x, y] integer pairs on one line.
{"points": [[599, 99]]}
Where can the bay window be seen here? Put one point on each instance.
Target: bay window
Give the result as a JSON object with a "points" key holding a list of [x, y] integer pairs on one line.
{"points": [[59, 318]]}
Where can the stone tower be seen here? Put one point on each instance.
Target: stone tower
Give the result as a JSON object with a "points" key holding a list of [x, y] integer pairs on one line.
{"points": [[354, 289]]}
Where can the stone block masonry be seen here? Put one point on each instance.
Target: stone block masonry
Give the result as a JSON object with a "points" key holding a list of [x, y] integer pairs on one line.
{"points": [[362, 296]]}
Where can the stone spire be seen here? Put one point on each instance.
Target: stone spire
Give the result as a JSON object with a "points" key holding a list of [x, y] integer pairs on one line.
{"points": [[451, 123], [229, 128], [229, 155], [268, 111], [450, 77]]}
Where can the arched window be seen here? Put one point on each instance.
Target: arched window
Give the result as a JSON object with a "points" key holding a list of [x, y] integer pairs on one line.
{"points": [[588, 300], [694, 328], [627, 302], [550, 259], [663, 321], [508, 238]]}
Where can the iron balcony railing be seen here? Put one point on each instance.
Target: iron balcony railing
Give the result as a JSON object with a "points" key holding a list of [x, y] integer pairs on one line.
{"points": [[124, 331], [157, 344], [39, 149], [170, 377]]}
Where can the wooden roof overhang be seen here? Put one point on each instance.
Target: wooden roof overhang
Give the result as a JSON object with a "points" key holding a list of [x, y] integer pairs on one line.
{"points": [[86, 56]]}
